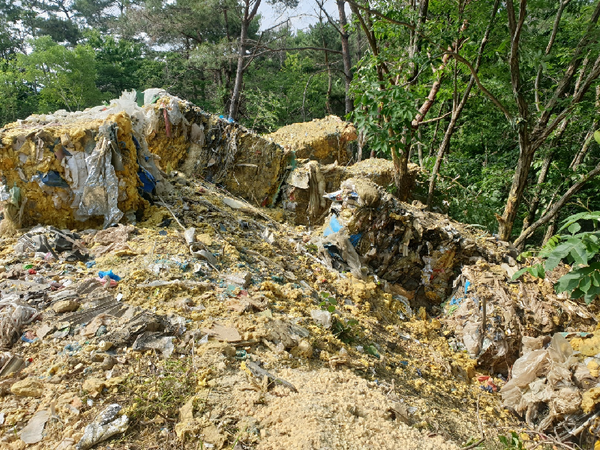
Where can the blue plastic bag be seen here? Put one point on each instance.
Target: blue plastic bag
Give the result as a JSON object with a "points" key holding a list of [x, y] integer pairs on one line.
{"points": [[110, 274]]}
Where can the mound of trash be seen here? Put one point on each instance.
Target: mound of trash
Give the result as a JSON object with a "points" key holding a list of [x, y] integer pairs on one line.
{"points": [[305, 189], [77, 170]]}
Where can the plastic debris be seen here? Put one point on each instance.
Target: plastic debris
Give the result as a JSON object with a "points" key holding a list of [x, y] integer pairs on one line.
{"points": [[106, 425], [109, 274], [34, 431], [321, 317], [13, 316], [154, 341]]}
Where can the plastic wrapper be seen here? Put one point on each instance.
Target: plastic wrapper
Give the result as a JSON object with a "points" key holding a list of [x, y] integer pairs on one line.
{"points": [[544, 388], [101, 192], [106, 425]]}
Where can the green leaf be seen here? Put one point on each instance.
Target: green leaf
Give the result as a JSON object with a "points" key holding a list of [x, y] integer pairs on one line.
{"points": [[577, 293], [586, 284], [579, 253], [596, 278], [568, 282], [597, 136], [591, 294], [521, 272], [331, 308], [574, 228], [538, 271]]}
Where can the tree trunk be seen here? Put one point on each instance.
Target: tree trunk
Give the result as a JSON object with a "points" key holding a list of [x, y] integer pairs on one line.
{"points": [[239, 73], [589, 138], [420, 148], [550, 230], [345, 54], [440, 155], [535, 201]]}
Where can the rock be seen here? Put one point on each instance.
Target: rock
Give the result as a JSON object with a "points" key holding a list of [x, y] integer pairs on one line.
{"points": [[64, 306], [105, 345], [29, 387], [94, 386], [108, 363]]}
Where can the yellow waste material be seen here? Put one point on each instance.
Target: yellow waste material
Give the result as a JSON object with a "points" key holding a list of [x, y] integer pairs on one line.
{"points": [[325, 140], [34, 149], [188, 139]]}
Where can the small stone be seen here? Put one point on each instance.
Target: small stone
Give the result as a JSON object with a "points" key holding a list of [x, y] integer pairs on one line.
{"points": [[105, 345], [29, 387], [64, 306], [94, 386], [108, 363]]}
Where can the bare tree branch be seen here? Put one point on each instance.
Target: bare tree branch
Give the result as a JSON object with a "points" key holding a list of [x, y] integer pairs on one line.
{"points": [[443, 116], [380, 15], [559, 204], [494, 100]]}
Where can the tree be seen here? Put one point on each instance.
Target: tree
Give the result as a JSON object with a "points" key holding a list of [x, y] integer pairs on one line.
{"points": [[249, 9], [65, 78], [553, 101], [399, 81]]}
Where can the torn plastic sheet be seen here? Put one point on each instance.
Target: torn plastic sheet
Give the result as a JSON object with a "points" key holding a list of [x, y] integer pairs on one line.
{"points": [[13, 316], [53, 179], [76, 173], [544, 384], [333, 227], [339, 253], [457, 301], [148, 181], [101, 192], [107, 424]]}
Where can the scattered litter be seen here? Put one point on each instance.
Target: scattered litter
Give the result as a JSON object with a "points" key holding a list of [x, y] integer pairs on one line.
{"points": [[257, 371]]}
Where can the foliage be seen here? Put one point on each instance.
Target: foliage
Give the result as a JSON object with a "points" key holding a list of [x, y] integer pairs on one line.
{"points": [[581, 249], [511, 442], [163, 394], [329, 303], [372, 103], [65, 78]]}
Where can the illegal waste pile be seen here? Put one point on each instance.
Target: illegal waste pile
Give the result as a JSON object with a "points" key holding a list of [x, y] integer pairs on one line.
{"points": [[544, 342], [189, 139], [196, 324], [69, 169], [206, 320], [417, 250], [325, 140]]}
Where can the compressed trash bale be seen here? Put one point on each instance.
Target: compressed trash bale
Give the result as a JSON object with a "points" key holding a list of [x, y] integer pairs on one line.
{"points": [[306, 185], [187, 138], [50, 158], [325, 140]]}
